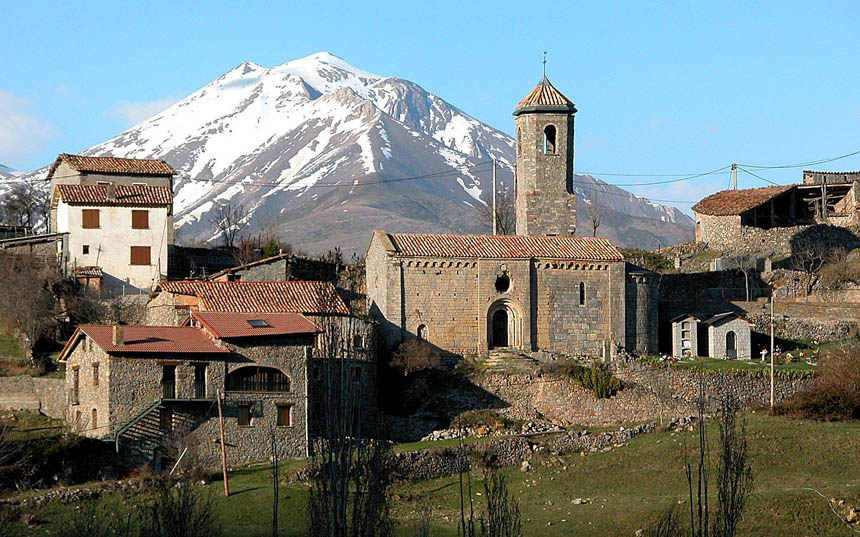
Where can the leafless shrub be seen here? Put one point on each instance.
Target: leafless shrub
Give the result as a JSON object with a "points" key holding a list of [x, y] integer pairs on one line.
{"points": [[697, 482], [27, 304], [503, 512], [808, 257], [178, 510], [835, 393], [839, 271], [25, 205], [668, 524], [414, 355], [596, 212], [734, 475]]}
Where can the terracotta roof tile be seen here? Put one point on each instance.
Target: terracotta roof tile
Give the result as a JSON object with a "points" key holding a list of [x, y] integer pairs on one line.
{"points": [[125, 195], [505, 246], [733, 202], [226, 324], [113, 165], [545, 97], [153, 339], [89, 271], [257, 297]]}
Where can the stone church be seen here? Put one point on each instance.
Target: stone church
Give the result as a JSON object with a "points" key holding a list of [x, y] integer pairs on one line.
{"points": [[542, 289]]}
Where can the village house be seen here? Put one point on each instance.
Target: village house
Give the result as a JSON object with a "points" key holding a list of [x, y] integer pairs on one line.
{"points": [[281, 267], [118, 214], [540, 290], [153, 390], [724, 335], [747, 216]]}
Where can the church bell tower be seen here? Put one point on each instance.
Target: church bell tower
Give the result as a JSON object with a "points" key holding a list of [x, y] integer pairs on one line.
{"points": [[545, 201]]}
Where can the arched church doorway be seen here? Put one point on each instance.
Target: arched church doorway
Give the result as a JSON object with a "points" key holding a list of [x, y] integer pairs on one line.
{"points": [[500, 328]]}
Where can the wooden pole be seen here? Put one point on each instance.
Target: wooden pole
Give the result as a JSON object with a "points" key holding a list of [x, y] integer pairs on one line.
{"points": [[771, 351], [495, 215], [223, 447]]}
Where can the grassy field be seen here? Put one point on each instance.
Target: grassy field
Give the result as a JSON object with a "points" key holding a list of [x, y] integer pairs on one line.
{"points": [[628, 487]]}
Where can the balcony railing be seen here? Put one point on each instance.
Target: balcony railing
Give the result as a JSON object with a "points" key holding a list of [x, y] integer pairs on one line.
{"points": [[200, 390], [168, 390]]}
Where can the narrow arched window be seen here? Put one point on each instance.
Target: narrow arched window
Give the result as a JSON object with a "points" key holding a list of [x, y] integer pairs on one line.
{"points": [[581, 293], [549, 139], [519, 140], [95, 419], [422, 332]]}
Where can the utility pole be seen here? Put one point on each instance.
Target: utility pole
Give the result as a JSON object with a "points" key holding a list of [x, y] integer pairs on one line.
{"points": [[771, 350], [223, 446], [734, 176], [495, 216]]}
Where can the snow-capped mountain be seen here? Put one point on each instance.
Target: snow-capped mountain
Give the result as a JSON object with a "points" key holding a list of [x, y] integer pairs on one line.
{"points": [[321, 153], [7, 173]]}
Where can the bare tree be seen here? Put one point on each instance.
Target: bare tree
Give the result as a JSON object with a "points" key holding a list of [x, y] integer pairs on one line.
{"points": [[596, 212], [25, 205], [739, 263], [697, 483], [276, 481], [808, 257], [349, 469], [27, 303], [503, 512], [229, 218], [734, 475], [506, 214]]}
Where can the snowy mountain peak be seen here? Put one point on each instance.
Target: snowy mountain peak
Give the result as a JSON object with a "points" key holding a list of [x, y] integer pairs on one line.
{"points": [[320, 153]]}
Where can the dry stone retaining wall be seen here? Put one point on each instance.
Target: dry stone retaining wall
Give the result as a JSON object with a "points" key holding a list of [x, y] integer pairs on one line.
{"points": [[46, 395]]}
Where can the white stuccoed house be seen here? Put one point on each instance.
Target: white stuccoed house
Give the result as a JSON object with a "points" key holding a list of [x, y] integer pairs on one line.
{"points": [[119, 217]]}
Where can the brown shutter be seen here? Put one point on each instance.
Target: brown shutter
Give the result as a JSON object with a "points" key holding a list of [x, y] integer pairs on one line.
{"points": [[140, 255], [140, 219], [90, 218]]}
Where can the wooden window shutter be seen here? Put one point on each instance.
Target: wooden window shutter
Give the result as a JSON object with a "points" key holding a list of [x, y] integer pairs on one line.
{"points": [[90, 218], [140, 255], [140, 219]]}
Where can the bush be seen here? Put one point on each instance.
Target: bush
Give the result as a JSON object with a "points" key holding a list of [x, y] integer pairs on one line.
{"points": [[478, 418], [835, 393], [839, 271], [596, 378], [415, 355], [649, 260]]}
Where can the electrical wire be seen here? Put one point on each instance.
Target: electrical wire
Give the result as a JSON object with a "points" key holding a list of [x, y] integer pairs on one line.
{"points": [[758, 176], [802, 164]]}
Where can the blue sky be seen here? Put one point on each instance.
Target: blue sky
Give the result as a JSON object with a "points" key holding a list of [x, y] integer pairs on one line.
{"points": [[673, 87]]}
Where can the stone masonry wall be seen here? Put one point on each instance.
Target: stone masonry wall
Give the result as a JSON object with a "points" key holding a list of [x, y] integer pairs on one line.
{"points": [[47, 395], [646, 392]]}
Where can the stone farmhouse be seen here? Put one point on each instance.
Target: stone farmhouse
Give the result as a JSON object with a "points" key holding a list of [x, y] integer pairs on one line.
{"points": [[749, 216], [118, 214], [281, 267], [542, 290]]}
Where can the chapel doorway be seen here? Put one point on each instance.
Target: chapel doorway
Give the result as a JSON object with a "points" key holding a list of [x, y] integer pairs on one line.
{"points": [[731, 345], [500, 328]]}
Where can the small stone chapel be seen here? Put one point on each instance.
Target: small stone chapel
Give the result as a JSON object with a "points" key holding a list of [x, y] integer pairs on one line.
{"points": [[542, 289]]}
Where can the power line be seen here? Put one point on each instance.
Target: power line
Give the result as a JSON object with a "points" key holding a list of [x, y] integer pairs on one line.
{"points": [[758, 176], [802, 164], [684, 178]]}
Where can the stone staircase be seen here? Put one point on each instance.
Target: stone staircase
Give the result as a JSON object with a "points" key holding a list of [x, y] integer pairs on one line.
{"points": [[509, 361]]}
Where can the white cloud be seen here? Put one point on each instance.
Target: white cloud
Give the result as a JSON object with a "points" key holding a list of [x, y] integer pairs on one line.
{"points": [[21, 133], [133, 112]]}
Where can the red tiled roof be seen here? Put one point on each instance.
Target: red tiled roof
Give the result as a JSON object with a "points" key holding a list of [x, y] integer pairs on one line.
{"points": [[546, 97], [733, 202], [113, 165], [256, 297], [126, 195], [228, 324], [505, 246], [153, 339]]}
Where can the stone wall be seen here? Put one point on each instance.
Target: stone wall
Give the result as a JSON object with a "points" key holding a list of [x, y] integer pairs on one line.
{"points": [[726, 233], [47, 395], [647, 392], [642, 298]]}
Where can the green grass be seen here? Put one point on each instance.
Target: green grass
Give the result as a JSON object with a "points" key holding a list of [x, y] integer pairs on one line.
{"points": [[792, 369], [10, 347], [629, 485]]}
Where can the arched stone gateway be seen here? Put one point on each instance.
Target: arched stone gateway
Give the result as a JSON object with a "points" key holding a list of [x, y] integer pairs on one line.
{"points": [[504, 325]]}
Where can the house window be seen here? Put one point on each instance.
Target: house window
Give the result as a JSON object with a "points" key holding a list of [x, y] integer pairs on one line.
{"points": [[581, 293], [165, 419], [243, 415], [358, 343], [96, 374], [258, 323], [85, 249], [549, 139], [76, 385], [90, 218], [285, 415], [140, 255], [95, 419], [257, 379], [503, 283], [139, 219]]}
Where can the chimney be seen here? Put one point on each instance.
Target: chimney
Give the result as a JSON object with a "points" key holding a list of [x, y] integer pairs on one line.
{"points": [[111, 192], [118, 335]]}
